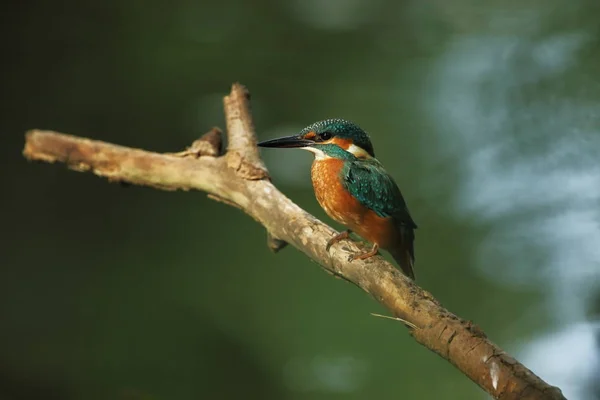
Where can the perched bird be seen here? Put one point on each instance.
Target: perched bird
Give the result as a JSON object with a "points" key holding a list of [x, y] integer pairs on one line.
{"points": [[355, 190]]}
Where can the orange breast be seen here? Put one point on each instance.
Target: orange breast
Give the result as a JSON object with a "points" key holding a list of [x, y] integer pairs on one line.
{"points": [[340, 205]]}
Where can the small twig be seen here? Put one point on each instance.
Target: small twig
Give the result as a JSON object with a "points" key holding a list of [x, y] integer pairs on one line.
{"points": [[210, 144], [242, 153], [405, 322], [275, 244]]}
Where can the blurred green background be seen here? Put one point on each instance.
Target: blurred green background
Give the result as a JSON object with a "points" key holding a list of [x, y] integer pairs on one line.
{"points": [[486, 113]]}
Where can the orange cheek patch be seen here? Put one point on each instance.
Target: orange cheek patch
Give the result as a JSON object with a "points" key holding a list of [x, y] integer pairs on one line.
{"points": [[343, 143], [310, 135]]}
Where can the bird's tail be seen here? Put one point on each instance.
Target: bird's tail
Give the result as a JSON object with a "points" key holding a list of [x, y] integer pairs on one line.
{"points": [[405, 256]]}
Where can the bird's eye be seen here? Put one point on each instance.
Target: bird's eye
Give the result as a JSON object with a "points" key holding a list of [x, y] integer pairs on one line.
{"points": [[325, 136]]}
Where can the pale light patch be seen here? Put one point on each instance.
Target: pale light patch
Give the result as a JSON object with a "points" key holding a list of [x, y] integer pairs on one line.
{"points": [[495, 374], [319, 154], [541, 177], [357, 151]]}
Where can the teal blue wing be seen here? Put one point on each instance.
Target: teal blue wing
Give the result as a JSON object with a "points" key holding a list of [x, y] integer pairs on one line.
{"points": [[374, 188]]}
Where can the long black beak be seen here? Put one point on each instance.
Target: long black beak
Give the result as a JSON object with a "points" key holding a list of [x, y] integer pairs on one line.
{"points": [[287, 142]]}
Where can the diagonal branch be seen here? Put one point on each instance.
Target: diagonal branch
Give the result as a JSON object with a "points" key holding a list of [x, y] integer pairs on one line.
{"points": [[240, 178]]}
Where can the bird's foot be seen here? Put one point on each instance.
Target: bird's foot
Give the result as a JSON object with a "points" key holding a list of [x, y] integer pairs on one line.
{"points": [[363, 256], [340, 236]]}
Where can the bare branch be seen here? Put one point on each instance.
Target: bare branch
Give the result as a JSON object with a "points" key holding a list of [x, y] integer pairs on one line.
{"points": [[239, 178], [210, 144], [242, 153]]}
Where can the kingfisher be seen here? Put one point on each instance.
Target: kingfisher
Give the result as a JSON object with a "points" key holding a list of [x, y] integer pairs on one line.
{"points": [[355, 190]]}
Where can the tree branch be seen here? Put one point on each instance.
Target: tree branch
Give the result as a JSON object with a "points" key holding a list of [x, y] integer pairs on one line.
{"points": [[240, 178]]}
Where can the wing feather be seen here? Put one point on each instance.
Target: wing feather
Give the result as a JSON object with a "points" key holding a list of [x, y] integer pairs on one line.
{"points": [[374, 188]]}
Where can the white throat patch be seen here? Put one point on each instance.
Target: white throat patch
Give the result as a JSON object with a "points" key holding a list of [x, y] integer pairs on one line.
{"points": [[319, 154], [355, 150]]}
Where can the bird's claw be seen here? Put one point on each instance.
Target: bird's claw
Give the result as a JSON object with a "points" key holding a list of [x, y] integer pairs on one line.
{"points": [[363, 256], [329, 244], [337, 238]]}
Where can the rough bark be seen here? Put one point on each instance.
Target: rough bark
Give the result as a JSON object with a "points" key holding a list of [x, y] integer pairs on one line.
{"points": [[239, 178]]}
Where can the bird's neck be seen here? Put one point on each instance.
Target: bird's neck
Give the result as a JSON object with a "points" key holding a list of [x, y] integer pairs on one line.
{"points": [[325, 168], [334, 164]]}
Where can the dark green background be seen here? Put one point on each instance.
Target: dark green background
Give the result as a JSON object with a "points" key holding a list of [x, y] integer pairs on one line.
{"points": [[486, 113]]}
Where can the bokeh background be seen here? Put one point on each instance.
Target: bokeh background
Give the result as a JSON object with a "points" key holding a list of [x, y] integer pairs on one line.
{"points": [[486, 113]]}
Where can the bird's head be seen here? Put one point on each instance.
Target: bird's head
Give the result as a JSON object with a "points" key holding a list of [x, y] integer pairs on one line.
{"points": [[331, 138]]}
